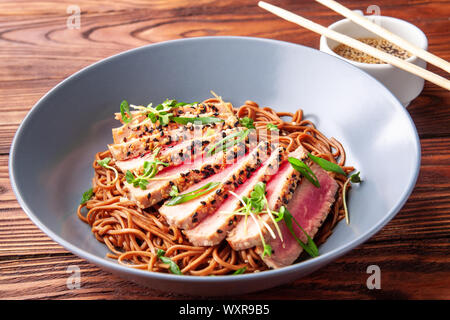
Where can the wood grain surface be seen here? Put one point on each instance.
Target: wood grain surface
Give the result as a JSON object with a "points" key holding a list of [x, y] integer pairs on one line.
{"points": [[37, 51]]}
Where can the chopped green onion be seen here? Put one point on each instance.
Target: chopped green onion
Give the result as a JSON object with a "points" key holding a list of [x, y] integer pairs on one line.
{"points": [[219, 146], [310, 247], [306, 171], [240, 271], [182, 198], [272, 127], [173, 267], [355, 178], [327, 165], [201, 120]]}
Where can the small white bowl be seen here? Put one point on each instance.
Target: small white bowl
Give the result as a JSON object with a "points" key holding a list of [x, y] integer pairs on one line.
{"points": [[403, 85]]}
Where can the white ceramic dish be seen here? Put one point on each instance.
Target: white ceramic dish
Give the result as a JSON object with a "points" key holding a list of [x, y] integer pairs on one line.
{"points": [[405, 86]]}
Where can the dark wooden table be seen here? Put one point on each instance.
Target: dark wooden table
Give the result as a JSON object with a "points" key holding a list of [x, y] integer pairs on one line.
{"points": [[37, 51]]}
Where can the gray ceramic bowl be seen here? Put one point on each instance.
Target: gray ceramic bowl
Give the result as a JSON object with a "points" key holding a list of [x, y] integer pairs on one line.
{"points": [[52, 152]]}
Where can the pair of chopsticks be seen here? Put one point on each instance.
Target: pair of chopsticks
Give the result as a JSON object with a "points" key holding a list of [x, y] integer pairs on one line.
{"points": [[378, 30]]}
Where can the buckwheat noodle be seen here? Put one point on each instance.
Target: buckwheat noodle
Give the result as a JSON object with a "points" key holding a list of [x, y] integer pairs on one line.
{"points": [[134, 236]]}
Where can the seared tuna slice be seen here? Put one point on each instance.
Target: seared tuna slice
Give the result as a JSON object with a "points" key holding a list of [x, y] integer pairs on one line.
{"points": [[309, 206], [142, 126], [136, 117], [183, 176], [214, 228], [147, 128], [175, 154], [161, 137], [187, 215], [279, 191]]}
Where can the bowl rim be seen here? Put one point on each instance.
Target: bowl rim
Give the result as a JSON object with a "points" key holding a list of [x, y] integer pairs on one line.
{"points": [[113, 266], [324, 47]]}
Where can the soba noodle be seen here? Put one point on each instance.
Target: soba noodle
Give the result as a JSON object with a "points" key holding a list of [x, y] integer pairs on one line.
{"points": [[134, 235]]}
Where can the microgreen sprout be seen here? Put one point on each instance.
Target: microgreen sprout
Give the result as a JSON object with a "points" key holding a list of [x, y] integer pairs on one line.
{"points": [[354, 178], [105, 164], [256, 205], [87, 195], [272, 127], [163, 113], [253, 207], [125, 112], [247, 122], [151, 169]]}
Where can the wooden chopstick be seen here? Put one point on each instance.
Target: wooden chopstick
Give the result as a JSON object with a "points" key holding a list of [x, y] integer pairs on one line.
{"points": [[399, 63], [386, 34]]}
